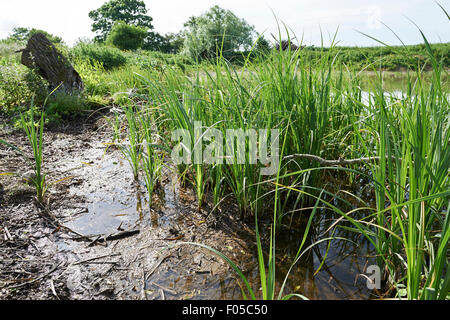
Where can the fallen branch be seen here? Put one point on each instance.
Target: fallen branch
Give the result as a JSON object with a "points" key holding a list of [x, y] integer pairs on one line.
{"points": [[158, 263], [96, 258], [172, 292], [122, 235], [332, 163], [101, 238]]}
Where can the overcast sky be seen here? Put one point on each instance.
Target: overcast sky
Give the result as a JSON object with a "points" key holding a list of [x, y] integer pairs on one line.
{"points": [[306, 18]]}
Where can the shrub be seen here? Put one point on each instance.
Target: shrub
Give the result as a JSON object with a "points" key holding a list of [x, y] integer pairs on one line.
{"points": [[109, 57], [61, 105], [18, 85], [126, 37], [92, 74], [8, 48]]}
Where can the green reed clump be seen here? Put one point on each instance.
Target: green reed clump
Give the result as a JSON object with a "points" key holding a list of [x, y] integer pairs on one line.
{"points": [[410, 231], [133, 148], [413, 137], [35, 137], [152, 158], [400, 145], [184, 113]]}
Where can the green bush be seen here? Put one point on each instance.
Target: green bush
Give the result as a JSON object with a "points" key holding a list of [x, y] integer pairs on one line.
{"points": [[126, 37], [8, 48], [18, 85], [61, 106], [93, 76], [157, 60], [109, 57]]}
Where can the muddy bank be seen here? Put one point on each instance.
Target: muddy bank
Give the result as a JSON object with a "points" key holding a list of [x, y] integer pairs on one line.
{"points": [[101, 241], [88, 251]]}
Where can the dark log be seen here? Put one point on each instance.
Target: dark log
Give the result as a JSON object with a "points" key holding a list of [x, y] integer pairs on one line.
{"points": [[40, 54]]}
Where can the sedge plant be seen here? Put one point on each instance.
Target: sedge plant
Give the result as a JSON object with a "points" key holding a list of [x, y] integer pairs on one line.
{"points": [[35, 137]]}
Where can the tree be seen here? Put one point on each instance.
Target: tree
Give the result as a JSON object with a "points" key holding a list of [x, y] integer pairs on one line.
{"points": [[262, 45], [169, 43], [176, 41], [23, 34], [126, 37], [155, 42], [132, 12], [217, 29]]}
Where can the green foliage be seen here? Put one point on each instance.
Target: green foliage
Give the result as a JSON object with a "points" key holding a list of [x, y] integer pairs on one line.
{"points": [[8, 52], [108, 57], [131, 12], [92, 74], [62, 106], [323, 111], [262, 45], [170, 43], [175, 42], [18, 85], [22, 34], [385, 58], [35, 138], [217, 30], [158, 60], [126, 37], [152, 160]]}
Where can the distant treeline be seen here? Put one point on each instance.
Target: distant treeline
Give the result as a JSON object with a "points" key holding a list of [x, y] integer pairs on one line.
{"points": [[395, 58]]}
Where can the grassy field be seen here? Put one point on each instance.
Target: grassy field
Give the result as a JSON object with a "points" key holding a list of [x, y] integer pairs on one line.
{"points": [[397, 145]]}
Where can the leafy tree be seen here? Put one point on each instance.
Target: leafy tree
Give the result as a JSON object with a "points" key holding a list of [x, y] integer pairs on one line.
{"points": [[154, 41], [214, 30], [132, 12], [23, 34], [176, 41], [262, 45], [170, 43], [126, 37]]}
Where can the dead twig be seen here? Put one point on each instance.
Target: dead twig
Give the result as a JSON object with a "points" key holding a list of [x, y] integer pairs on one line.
{"points": [[165, 289], [52, 286], [101, 238], [7, 234], [96, 258], [332, 163], [161, 260], [37, 279], [122, 235]]}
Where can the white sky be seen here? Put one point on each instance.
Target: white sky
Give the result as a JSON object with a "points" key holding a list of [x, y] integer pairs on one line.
{"points": [[69, 19]]}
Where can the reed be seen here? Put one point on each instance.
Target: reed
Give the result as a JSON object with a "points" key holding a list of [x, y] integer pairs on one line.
{"points": [[35, 135], [399, 144], [133, 148], [152, 160]]}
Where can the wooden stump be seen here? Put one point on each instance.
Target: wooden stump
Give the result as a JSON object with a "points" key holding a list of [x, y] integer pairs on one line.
{"points": [[40, 54]]}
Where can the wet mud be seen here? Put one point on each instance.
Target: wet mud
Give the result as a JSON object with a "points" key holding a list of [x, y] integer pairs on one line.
{"points": [[102, 241]]}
